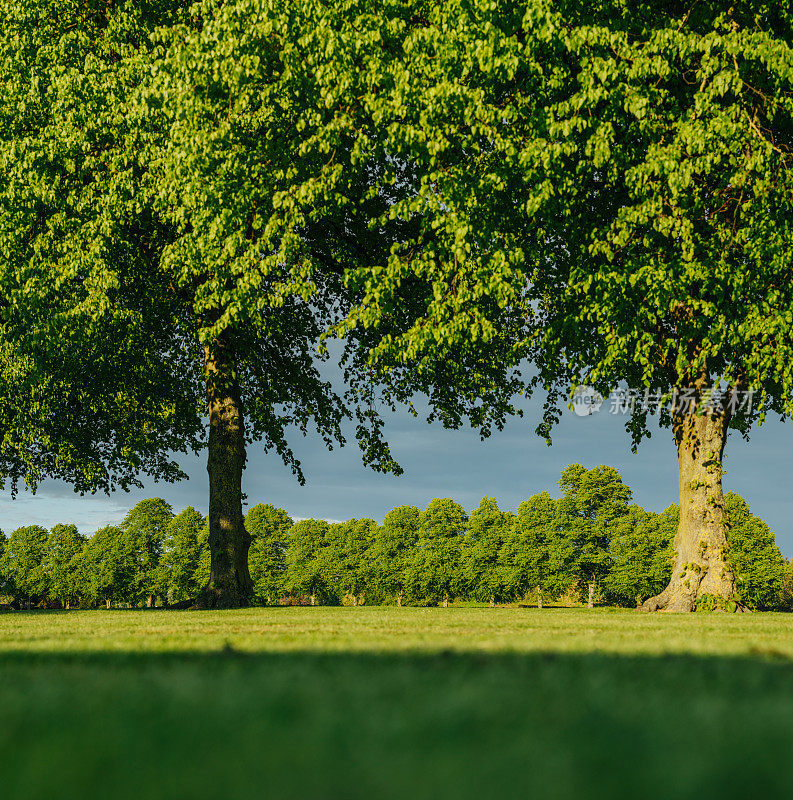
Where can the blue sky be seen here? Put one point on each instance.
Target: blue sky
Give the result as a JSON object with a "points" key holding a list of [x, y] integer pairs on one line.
{"points": [[510, 466]]}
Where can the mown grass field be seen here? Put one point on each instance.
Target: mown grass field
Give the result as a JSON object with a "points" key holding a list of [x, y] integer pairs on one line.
{"points": [[406, 703]]}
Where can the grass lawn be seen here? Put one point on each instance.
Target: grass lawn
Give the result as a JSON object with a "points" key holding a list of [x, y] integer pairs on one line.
{"points": [[405, 703]]}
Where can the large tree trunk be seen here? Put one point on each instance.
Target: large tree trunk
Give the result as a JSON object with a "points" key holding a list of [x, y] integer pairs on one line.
{"points": [[230, 584], [700, 566]]}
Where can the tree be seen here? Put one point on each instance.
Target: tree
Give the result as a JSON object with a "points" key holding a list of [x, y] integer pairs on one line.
{"points": [[434, 570], [269, 529], [261, 177], [193, 248], [671, 270], [592, 500], [5, 585], [62, 546], [144, 529], [394, 549], [349, 547], [307, 560], [753, 556], [204, 572], [181, 557], [787, 587], [88, 394], [537, 555], [640, 555], [481, 570], [22, 561], [107, 567], [604, 190]]}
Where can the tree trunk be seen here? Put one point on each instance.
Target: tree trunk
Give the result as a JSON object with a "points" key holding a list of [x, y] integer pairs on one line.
{"points": [[446, 600], [399, 599], [230, 584], [700, 567], [149, 601], [539, 597], [107, 603], [313, 598], [492, 601], [591, 599]]}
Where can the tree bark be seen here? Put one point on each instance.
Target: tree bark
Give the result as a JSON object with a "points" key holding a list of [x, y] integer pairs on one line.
{"points": [[591, 599], [149, 601], [539, 597], [700, 566], [313, 598], [230, 584], [446, 600], [492, 601], [399, 598], [107, 603]]}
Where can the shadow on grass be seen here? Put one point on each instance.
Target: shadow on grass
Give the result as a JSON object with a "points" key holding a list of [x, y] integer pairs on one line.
{"points": [[397, 725]]}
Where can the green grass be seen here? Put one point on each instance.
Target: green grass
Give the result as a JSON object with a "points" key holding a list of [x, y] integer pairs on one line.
{"points": [[407, 703]]}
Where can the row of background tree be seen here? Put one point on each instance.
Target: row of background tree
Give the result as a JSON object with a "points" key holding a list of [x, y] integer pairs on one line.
{"points": [[592, 544]]}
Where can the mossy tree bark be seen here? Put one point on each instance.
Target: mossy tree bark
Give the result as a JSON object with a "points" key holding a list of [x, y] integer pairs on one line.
{"points": [[230, 584], [700, 566]]}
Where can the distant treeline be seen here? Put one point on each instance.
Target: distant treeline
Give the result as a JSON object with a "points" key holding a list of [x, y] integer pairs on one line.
{"points": [[590, 545]]}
